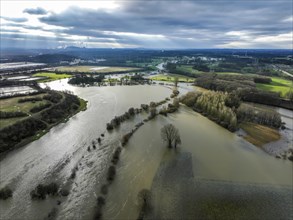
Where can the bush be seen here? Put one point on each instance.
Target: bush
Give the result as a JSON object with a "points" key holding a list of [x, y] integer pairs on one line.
{"points": [[125, 138], [101, 201], [116, 155], [98, 214], [33, 99], [131, 111], [40, 108], [109, 126], [144, 107], [41, 191], [52, 189], [64, 192], [153, 113], [111, 173], [163, 111], [12, 114], [5, 193]]}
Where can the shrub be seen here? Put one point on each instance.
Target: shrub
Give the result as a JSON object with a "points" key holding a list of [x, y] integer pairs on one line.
{"points": [[100, 201], [125, 138], [131, 111], [33, 99], [111, 173], [109, 126], [52, 189], [144, 107], [73, 174], [104, 189], [153, 105], [98, 214], [163, 111], [153, 113], [5, 193], [116, 155], [39, 192], [64, 192], [12, 114]]}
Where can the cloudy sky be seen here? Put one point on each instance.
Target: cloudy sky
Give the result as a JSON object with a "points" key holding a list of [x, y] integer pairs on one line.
{"points": [[148, 24]]}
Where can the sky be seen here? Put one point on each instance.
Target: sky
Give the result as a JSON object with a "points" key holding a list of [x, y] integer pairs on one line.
{"points": [[173, 24]]}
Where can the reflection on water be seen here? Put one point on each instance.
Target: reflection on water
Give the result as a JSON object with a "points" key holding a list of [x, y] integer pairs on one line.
{"points": [[209, 153]]}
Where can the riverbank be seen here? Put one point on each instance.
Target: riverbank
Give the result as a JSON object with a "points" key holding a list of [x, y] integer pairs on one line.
{"points": [[36, 125]]}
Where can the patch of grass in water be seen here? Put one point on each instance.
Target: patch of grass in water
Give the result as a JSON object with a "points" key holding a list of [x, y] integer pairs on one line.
{"points": [[259, 135]]}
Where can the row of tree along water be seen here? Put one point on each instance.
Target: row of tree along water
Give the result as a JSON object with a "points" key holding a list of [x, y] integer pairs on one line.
{"points": [[226, 109]]}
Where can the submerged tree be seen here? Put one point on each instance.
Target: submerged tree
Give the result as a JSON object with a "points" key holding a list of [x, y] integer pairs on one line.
{"points": [[177, 140], [176, 79], [169, 134]]}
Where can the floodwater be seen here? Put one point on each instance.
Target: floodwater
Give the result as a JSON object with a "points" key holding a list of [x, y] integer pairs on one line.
{"points": [[211, 163], [13, 90], [211, 154]]}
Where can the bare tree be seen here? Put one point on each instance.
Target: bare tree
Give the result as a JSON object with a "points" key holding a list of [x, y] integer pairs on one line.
{"points": [[169, 134], [177, 140]]}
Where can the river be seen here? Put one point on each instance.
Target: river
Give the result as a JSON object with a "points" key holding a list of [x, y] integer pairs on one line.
{"points": [[214, 154]]}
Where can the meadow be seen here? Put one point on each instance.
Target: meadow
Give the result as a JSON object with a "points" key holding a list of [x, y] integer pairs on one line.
{"points": [[12, 105], [51, 76], [277, 85], [171, 78]]}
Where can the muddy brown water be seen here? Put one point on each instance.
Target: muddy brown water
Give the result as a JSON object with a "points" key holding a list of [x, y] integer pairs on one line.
{"points": [[214, 154]]}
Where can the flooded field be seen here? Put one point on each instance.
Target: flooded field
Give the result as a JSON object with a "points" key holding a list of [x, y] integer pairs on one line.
{"points": [[19, 65], [14, 90], [211, 163]]}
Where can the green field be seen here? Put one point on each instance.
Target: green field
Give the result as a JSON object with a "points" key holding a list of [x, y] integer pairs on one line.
{"points": [[171, 77], [51, 76], [188, 69], [12, 105], [96, 69], [277, 85]]}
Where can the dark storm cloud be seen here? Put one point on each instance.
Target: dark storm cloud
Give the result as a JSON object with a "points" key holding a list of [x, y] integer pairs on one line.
{"points": [[161, 17], [14, 19], [35, 11], [176, 23]]}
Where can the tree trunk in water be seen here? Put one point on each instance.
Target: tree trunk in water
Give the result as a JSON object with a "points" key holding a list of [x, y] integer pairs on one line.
{"points": [[170, 144]]}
